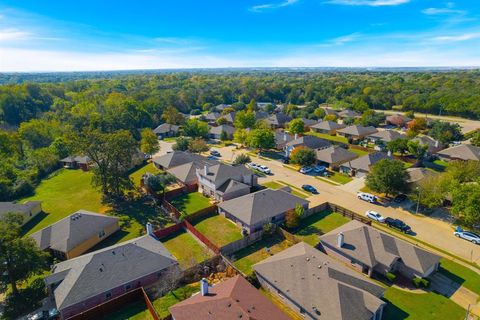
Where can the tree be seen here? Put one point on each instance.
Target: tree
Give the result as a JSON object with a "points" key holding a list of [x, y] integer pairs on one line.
{"points": [[221, 121], [348, 121], [159, 182], [303, 156], [466, 203], [371, 118], [319, 113], [244, 119], [242, 159], [445, 132], [240, 136], [149, 142], [252, 105], [399, 145], [223, 135], [195, 128], [431, 190], [181, 144], [172, 116], [291, 219], [227, 110], [417, 150], [330, 117], [388, 176], [296, 126], [20, 256], [475, 140], [197, 145], [261, 139], [463, 171]]}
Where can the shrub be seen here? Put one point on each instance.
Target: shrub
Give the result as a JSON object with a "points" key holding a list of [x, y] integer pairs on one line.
{"points": [[269, 228], [242, 159], [391, 277], [420, 282]]}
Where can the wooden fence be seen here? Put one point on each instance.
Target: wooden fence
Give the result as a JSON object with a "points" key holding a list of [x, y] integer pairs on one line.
{"points": [[162, 233], [241, 243], [200, 236], [349, 213]]}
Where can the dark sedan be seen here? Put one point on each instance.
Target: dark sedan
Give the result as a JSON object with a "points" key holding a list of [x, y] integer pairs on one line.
{"points": [[398, 224], [309, 188]]}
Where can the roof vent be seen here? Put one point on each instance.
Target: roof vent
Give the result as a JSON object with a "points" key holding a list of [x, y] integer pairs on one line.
{"points": [[319, 266], [308, 259]]}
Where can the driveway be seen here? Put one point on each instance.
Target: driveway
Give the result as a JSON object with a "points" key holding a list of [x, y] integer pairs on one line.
{"points": [[353, 186]]}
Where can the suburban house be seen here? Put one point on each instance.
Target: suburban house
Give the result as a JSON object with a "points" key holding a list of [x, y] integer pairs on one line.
{"points": [[263, 105], [417, 175], [175, 158], [307, 141], [186, 174], [385, 136], [327, 127], [347, 113], [330, 111], [27, 210], [370, 250], [221, 107], [84, 282], [230, 117], [397, 120], [75, 234], [166, 130], [433, 145], [223, 182], [253, 210], [212, 117], [216, 132], [309, 122], [260, 115], [356, 132], [282, 138], [278, 120], [360, 167], [334, 156], [232, 299], [75, 162], [319, 287], [461, 152]]}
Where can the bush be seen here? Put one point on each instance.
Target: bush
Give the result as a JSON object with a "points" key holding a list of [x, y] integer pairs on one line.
{"points": [[391, 277], [420, 282], [269, 228], [28, 299], [242, 159]]}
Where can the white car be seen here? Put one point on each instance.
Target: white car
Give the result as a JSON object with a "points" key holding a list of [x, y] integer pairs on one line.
{"points": [[253, 165], [305, 170], [469, 236], [366, 197], [264, 169], [375, 216]]}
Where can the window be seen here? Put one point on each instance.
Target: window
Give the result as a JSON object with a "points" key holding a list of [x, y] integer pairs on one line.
{"points": [[108, 295], [101, 234], [128, 287]]}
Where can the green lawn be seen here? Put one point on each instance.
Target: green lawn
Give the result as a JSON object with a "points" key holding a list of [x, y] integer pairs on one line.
{"points": [[360, 153], [404, 305], [162, 304], [460, 274], [329, 137], [219, 230], [136, 176], [191, 203], [186, 249], [317, 224], [296, 191], [437, 165], [134, 311], [272, 185], [247, 257], [339, 177]]}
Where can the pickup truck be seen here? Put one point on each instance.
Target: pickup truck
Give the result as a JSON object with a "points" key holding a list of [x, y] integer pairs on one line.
{"points": [[398, 224]]}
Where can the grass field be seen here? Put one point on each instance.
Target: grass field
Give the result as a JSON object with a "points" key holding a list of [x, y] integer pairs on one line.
{"points": [[247, 257], [360, 153], [296, 191], [317, 224], [191, 203], [162, 304], [404, 305], [134, 311], [329, 137], [219, 230], [186, 249], [272, 185], [136, 176], [339, 177], [460, 274]]}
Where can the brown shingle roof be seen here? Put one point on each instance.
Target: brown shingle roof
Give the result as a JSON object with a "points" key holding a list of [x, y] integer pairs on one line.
{"points": [[335, 154], [229, 300], [463, 152]]}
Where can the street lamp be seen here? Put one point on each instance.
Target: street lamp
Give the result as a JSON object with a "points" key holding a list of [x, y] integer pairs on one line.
{"points": [[418, 200]]}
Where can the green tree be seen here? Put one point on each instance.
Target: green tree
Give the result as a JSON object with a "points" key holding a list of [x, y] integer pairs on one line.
{"points": [[475, 140], [463, 171], [252, 105], [195, 128], [399, 145], [149, 142], [198, 145], [172, 116], [261, 139], [181, 144], [466, 203], [221, 121], [371, 118], [431, 191], [330, 117], [445, 132], [159, 182], [244, 119], [240, 136], [242, 158], [319, 113], [20, 257], [417, 150], [303, 156], [388, 176], [223, 135], [296, 126]]}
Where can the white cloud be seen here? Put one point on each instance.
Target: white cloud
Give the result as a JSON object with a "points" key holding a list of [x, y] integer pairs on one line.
{"points": [[457, 38], [441, 11], [371, 3], [13, 35], [267, 6]]}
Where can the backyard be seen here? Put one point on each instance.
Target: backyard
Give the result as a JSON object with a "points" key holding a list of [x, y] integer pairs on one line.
{"points": [[329, 137], [136, 176], [190, 203], [218, 229], [162, 304], [359, 152], [256, 252], [134, 311], [186, 249], [317, 224]]}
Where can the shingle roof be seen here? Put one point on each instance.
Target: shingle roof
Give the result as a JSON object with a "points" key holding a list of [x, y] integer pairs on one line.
{"points": [[186, 172], [373, 247], [232, 299], [309, 122], [213, 116], [100, 271], [260, 115], [427, 140], [224, 127], [230, 117], [309, 141], [335, 154], [417, 174], [258, 206], [282, 138], [232, 186], [323, 287], [221, 171], [278, 119], [328, 125], [398, 119], [165, 128], [356, 130], [177, 158], [364, 163], [387, 135], [78, 159], [348, 113], [68, 233], [463, 152], [13, 207]]}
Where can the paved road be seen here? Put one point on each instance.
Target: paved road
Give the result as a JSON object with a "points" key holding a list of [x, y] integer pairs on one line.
{"points": [[433, 231]]}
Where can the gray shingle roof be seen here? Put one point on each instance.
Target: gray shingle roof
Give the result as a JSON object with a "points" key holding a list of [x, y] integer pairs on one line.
{"points": [[73, 230], [232, 186], [213, 116], [365, 162], [309, 141], [222, 172], [14, 207], [282, 138], [335, 154], [417, 174], [165, 128], [258, 206], [224, 127], [328, 125], [323, 287], [357, 130], [177, 158], [186, 173], [100, 271], [348, 113], [387, 135], [372, 247], [78, 159], [278, 119], [463, 152]]}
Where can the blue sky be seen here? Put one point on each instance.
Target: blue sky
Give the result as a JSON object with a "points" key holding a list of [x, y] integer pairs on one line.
{"points": [[56, 35]]}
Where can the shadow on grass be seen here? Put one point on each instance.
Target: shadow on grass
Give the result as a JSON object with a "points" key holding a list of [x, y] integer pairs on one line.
{"points": [[260, 245], [392, 312], [306, 225], [32, 223], [141, 210], [451, 276], [128, 311]]}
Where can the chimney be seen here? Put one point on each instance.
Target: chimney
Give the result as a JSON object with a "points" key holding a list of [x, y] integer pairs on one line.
{"points": [[296, 136], [150, 229], [389, 154], [204, 287], [437, 143], [205, 170], [284, 136], [340, 240]]}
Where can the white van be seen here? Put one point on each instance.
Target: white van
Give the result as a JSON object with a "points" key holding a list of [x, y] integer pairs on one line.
{"points": [[366, 197]]}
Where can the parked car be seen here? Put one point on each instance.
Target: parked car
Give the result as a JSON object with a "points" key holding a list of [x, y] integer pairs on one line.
{"points": [[310, 188], [252, 165], [375, 216], [305, 170], [319, 169], [264, 169], [51, 314], [398, 224], [400, 198], [215, 153], [212, 158], [366, 197], [467, 235]]}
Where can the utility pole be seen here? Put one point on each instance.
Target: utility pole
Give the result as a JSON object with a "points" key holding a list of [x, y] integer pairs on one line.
{"points": [[418, 200]]}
